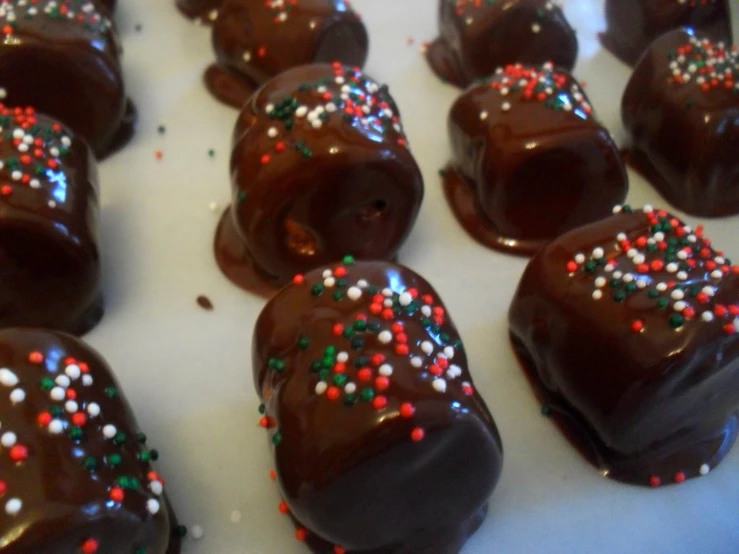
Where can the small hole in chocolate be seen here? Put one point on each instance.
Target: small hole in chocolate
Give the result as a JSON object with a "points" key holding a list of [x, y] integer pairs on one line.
{"points": [[373, 211]]}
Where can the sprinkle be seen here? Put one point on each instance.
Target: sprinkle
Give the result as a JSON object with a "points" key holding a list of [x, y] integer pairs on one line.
{"points": [[418, 434], [197, 532], [109, 431], [427, 347], [439, 385], [13, 506], [57, 394], [704, 469], [152, 505], [55, 427], [385, 337], [8, 378], [17, 396], [8, 439]]}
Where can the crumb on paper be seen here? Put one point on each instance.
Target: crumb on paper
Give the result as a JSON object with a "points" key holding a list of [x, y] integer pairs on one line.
{"points": [[204, 302]]}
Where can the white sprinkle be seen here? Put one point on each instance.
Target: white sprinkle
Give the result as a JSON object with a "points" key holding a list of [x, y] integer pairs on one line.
{"points": [[8, 439], [704, 469], [73, 371], [641, 283], [505, 106], [719, 260], [628, 278], [405, 299], [350, 388], [196, 531], [662, 287], [632, 252], [427, 347], [449, 352], [648, 209], [659, 237], [621, 237], [17, 396], [86, 380], [331, 107], [3, 93], [63, 381], [707, 316], [321, 387], [386, 370], [639, 259], [682, 255], [682, 275], [13, 506], [66, 141], [156, 487], [8, 378], [439, 385], [329, 282], [93, 409], [272, 132], [387, 292], [708, 291], [617, 274], [317, 123], [246, 56], [362, 284], [385, 337], [56, 426], [35, 183], [426, 310], [327, 273], [677, 294], [580, 258], [18, 134], [342, 357], [483, 115], [598, 253], [608, 268], [535, 28], [152, 505], [213, 206], [600, 282], [388, 303], [235, 516], [354, 293], [716, 274], [597, 294], [617, 209], [454, 371], [57, 394], [109, 431], [679, 306], [416, 361], [269, 108], [71, 406]]}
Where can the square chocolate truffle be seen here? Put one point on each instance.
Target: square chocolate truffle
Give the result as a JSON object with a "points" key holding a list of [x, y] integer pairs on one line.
{"points": [[63, 58], [530, 160], [381, 442], [680, 110], [76, 475], [476, 37], [628, 329], [633, 24], [256, 41], [49, 246]]}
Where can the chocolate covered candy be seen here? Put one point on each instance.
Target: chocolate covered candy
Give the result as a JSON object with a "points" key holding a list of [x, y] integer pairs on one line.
{"points": [[477, 37], [633, 24], [320, 167], [381, 442], [530, 161], [62, 57], [254, 41], [49, 256], [203, 10], [680, 110], [629, 331], [75, 472]]}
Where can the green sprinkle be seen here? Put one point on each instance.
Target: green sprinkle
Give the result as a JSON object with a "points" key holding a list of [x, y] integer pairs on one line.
{"points": [[75, 433], [47, 384], [119, 439], [141, 438], [348, 260], [277, 438], [90, 463], [317, 289], [676, 321], [114, 460], [546, 410], [367, 394], [303, 342], [111, 392]]}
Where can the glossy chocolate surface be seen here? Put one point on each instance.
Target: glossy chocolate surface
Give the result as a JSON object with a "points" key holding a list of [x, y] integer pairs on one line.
{"points": [[629, 331], [680, 109], [381, 443], [72, 44], [204, 10], [254, 41], [320, 167], [75, 471], [475, 38], [108, 5], [633, 24], [49, 247], [530, 160]]}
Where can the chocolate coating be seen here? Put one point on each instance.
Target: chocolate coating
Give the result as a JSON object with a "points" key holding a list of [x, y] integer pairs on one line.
{"points": [[381, 443], [62, 476], [79, 56], [529, 161], [475, 38], [320, 167], [108, 5], [633, 24], [636, 355], [205, 10], [683, 122], [49, 247], [254, 41]]}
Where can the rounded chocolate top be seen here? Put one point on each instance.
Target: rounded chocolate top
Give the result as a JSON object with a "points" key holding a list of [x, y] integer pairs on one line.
{"points": [[631, 326], [72, 44], [633, 24], [257, 40], [526, 142], [680, 110], [478, 37], [371, 410], [320, 167], [75, 471], [49, 259]]}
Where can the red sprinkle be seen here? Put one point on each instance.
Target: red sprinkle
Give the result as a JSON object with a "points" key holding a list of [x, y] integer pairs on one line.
{"points": [[407, 410], [283, 508], [90, 546], [679, 477], [418, 434], [19, 453], [654, 481]]}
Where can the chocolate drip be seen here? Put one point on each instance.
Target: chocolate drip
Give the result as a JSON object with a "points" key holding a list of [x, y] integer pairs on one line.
{"points": [[478, 37], [255, 41], [371, 410], [76, 471], [629, 331], [680, 110], [49, 246], [633, 24], [80, 57], [320, 167], [530, 161]]}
